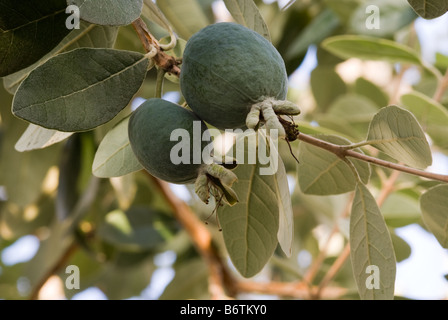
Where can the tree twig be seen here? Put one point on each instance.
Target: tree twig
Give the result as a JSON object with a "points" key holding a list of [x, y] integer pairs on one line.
{"points": [[342, 152], [164, 61], [219, 277], [441, 87]]}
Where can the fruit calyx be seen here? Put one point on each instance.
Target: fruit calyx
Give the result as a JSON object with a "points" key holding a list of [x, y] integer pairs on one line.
{"points": [[269, 109], [216, 180]]}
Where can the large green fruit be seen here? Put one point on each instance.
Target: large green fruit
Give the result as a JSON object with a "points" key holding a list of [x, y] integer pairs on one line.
{"points": [[172, 144], [150, 129], [226, 69]]}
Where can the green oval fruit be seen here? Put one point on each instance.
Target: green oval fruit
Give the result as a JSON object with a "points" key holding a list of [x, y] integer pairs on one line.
{"points": [[150, 129], [226, 69]]}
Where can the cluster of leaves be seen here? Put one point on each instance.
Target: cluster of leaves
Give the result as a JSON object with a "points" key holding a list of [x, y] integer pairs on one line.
{"points": [[75, 89]]}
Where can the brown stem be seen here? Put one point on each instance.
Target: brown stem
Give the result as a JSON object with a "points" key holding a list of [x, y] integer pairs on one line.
{"points": [[298, 290], [441, 87], [334, 269], [219, 277], [164, 61], [341, 152], [58, 266], [312, 271]]}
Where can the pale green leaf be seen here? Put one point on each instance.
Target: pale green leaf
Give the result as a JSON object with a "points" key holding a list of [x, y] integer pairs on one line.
{"points": [[400, 210], [429, 9], [186, 16], [285, 232], [88, 35], [401, 247], [81, 89], [36, 137], [432, 116], [369, 48], [353, 108], [250, 227], [27, 34], [434, 205], [23, 174], [371, 91], [132, 230], [397, 133], [323, 173], [190, 281], [371, 245], [153, 13], [321, 27], [344, 9], [108, 12], [114, 156], [349, 114], [326, 85], [246, 13]]}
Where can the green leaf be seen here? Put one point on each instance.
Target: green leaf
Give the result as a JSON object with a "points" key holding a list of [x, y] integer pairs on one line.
{"points": [[344, 9], [371, 91], [320, 28], [190, 281], [124, 282], [369, 48], [81, 89], [323, 173], [186, 16], [349, 114], [441, 61], [246, 13], [88, 35], [114, 157], [400, 210], [432, 116], [27, 34], [153, 13], [397, 133], [429, 9], [371, 245], [401, 247], [434, 205], [326, 85], [285, 234], [353, 109], [132, 230], [23, 173], [68, 191], [250, 227], [36, 137], [108, 12]]}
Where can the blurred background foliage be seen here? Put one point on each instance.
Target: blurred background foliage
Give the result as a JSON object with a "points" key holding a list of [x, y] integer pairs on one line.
{"points": [[121, 232]]}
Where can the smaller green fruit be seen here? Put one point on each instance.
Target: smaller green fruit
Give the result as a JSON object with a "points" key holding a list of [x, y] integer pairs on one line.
{"points": [[154, 131]]}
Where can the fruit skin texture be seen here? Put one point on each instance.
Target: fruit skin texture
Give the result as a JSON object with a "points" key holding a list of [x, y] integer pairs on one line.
{"points": [[226, 69], [150, 128]]}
